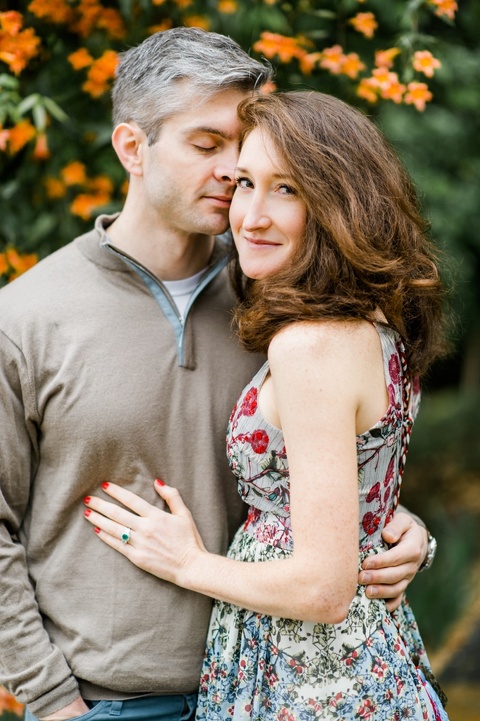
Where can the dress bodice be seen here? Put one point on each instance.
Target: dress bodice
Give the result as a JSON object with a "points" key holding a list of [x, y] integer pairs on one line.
{"points": [[258, 457]]}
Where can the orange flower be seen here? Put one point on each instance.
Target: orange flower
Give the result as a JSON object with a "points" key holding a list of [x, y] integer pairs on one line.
{"points": [[384, 77], [385, 58], [424, 62], [20, 135], [90, 14], [101, 72], [80, 59], [20, 262], [17, 47], [394, 91], [352, 65], [158, 2], [104, 68], [86, 203], [94, 89], [364, 23], [197, 21], [161, 27], [41, 151], [101, 184], [74, 173], [55, 11], [4, 137], [182, 4], [333, 59], [85, 19], [9, 704], [3, 271], [308, 62], [268, 87], [445, 7], [287, 48], [111, 21], [368, 89], [11, 22], [227, 6], [55, 188], [388, 85], [418, 94]]}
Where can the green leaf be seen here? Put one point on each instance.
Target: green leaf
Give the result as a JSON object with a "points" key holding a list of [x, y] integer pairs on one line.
{"points": [[8, 81], [328, 14], [55, 110], [28, 103], [39, 117]]}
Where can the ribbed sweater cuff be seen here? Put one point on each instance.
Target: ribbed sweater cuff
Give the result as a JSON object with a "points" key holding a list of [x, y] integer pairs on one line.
{"points": [[55, 698]]}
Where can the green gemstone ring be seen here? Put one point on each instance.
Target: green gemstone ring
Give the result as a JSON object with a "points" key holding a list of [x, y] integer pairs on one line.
{"points": [[125, 537]]}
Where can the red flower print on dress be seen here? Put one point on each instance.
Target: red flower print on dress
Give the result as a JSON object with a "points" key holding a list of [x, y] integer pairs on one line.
{"points": [[259, 441], [249, 403], [389, 473], [373, 493], [370, 523], [394, 368], [366, 710], [391, 394]]}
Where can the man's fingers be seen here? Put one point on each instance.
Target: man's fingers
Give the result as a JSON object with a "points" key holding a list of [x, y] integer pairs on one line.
{"points": [[389, 559], [394, 603], [388, 592], [394, 530], [390, 576]]}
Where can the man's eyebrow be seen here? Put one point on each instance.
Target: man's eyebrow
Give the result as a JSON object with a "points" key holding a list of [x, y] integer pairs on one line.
{"points": [[207, 130]]}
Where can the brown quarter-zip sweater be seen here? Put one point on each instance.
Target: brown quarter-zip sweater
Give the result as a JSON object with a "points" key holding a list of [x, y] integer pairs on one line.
{"points": [[99, 380]]}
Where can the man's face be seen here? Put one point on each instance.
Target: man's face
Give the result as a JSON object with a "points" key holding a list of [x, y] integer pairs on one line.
{"points": [[188, 173]]}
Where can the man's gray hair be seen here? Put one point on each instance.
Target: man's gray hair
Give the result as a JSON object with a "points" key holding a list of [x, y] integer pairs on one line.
{"points": [[147, 87]]}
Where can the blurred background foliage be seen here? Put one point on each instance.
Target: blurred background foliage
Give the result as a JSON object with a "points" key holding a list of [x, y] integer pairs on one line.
{"points": [[414, 65]]}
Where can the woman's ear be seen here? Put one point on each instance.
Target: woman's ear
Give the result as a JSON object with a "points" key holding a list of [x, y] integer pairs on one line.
{"points": [[128, 141]]}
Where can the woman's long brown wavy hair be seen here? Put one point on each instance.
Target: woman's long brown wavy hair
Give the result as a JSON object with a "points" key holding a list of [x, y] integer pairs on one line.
{"points": [[365, 246]]}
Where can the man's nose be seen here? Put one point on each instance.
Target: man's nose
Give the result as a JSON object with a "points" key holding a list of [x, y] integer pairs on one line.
{"points": [[225, 167]]}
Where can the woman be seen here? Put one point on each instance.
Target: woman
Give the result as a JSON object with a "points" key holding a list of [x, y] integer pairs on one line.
{"points": [[342, 291]]}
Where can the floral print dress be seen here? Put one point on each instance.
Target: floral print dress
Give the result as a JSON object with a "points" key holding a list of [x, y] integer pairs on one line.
{"points": [[263, 668]]}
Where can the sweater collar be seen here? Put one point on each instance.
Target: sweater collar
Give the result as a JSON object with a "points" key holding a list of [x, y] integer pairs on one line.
{"points": [[92, 245]]}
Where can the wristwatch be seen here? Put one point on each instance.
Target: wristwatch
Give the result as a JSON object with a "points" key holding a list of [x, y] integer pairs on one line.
{"points": [[431, 551]]}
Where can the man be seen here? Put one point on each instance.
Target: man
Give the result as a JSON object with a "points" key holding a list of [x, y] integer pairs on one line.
{"points": [[108, 372]]}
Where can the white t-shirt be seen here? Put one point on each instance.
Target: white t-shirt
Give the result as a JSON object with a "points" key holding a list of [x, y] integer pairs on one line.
{"points": [[182, 290]]}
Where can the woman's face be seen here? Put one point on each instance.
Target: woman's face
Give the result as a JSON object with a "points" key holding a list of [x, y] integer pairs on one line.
{"points": [[267, 216]]}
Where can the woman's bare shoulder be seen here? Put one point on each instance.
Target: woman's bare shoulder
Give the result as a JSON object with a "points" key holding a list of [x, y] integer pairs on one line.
{"points": [[314, 338]]}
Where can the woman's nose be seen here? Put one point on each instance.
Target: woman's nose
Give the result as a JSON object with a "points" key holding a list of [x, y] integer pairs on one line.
{"points": [[256, 216]]}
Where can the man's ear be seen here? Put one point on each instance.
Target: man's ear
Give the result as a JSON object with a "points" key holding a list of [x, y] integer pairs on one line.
{"points": [[128, 141]]}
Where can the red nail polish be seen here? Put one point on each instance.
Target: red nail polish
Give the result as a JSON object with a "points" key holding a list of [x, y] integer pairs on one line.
{"points": [[160, 483], [87, 500], [105, 485], [97, 530], [87, 512]]}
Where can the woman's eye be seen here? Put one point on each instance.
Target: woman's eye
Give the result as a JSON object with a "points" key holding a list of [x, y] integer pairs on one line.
{"points": [[287, 190], [243, 183]]}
